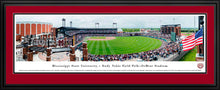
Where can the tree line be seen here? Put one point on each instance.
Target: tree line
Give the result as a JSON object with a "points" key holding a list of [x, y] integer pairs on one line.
{"points": [[131, 29]]}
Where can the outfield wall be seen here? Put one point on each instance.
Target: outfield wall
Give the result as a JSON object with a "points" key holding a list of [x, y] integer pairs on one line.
{"points": [[156, 38]]}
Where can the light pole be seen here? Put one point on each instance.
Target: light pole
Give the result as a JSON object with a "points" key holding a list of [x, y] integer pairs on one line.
{"points": [[63, 22], [70, 23], [160, 25], [97, 24], [173, 20], [115, 25]]}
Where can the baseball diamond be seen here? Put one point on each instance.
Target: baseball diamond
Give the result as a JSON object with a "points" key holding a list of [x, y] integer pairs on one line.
{"points": [[122, 45]]}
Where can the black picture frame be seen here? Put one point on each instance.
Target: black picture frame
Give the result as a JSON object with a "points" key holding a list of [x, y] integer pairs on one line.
{"points": [[3, 49]]}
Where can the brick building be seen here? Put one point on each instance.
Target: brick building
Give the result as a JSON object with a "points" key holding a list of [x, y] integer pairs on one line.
{"points": [[167, 29], [32, 28], [53, 31]]}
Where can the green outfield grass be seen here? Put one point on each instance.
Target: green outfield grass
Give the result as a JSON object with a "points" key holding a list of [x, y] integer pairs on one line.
{"points": [[97, 37], [187, 34], [190, 56], [123, 45]]}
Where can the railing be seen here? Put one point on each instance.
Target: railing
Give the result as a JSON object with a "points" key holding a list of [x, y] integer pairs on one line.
{"points": [[180, 56], [66, 49]]}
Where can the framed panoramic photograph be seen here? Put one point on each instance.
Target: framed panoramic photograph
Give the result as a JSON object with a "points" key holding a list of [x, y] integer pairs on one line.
{"points": [[110, 44]]}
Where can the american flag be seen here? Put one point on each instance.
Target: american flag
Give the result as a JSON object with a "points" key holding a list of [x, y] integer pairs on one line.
{"points": [[191, 41], [199, 37]]}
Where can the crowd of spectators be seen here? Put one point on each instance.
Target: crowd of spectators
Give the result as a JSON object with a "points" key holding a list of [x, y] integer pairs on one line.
{"points": [[159, 35], [121, 57], [162, 52]]}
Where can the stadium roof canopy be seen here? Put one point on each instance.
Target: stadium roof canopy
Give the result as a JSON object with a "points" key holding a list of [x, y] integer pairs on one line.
{"points": [[70, 31]]}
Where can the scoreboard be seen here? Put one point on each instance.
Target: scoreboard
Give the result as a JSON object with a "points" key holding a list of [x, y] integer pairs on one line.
{"points": [[173, 36]]}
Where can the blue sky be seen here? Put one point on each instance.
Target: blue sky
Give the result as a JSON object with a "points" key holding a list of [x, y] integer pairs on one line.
{"points": [[105, 21]]}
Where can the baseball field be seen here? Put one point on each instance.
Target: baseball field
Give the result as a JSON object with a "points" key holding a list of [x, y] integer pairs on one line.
{"points": [[122, 45]]}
